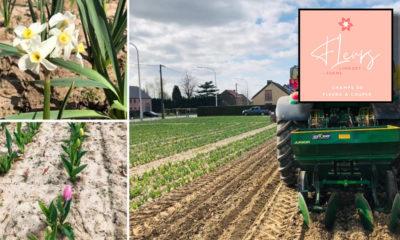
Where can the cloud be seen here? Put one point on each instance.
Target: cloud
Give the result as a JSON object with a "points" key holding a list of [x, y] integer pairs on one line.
{"points": [[255, 40], [183, 12]]}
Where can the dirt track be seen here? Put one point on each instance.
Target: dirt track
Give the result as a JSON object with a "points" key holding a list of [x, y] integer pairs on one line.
{"points": [[242, 200]]}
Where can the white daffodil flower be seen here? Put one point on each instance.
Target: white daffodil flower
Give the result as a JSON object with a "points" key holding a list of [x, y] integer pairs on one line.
{"points": [[25, 35], [79, 49], [66, 40], [62, 21], [36, 55]]}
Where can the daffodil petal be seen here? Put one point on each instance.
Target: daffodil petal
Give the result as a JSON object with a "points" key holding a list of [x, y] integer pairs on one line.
{"points": [[56, 19], [70, 29], [54, 32], [23, 62], [48, 46], [49, 65], [36, 68], [79, 57], [37, 27], [19, 30], [71, 17], [67, 51], [16, 42], [57, 52]]}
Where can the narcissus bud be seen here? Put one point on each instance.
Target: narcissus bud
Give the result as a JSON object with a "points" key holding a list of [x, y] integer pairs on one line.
{"points": [[78, 143], [81, 132]]}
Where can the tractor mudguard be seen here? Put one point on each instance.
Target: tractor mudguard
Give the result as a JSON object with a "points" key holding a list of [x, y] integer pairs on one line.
{"points": [[292, 112]]}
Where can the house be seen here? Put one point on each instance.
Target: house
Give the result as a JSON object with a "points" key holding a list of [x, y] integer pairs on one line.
{"points": [[269, 94], [134, 103], [232, 98]]}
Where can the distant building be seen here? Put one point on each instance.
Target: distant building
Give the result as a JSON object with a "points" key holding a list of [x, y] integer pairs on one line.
{"points": [[270, 94], [232, 98], [134, 103]]}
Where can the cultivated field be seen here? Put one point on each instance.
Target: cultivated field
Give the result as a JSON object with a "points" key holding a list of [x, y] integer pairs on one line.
{"points": [[154, 140], [97, 202], [232, 192]]}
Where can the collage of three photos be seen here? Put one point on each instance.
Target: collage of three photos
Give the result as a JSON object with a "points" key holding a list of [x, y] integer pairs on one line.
{"points": [[217, 119]]}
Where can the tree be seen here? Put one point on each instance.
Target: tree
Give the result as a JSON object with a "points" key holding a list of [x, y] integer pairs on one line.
{"points": [[188, 85], [176, 95], [207, 89]]}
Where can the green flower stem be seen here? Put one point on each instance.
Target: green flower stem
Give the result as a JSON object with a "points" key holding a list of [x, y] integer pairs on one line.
{"points": [[47, 92]]}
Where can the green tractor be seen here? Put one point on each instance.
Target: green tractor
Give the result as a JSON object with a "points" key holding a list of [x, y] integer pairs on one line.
{"points": [[330, 149]]}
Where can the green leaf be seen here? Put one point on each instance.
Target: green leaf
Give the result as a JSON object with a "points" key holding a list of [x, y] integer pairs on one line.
{"points": [[117, 105], [64, 104], [52, 213], [79, 82], [8, 50], [32, 237], [79, 169], [67, 207], [68, 114], [32, 11], [68, 232], [44, 208], [87, 72]]}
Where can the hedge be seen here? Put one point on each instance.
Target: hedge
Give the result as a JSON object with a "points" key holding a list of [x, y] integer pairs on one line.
{"points": [[228, 110]]}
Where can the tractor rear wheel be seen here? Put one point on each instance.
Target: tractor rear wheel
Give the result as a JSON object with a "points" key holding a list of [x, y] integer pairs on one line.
{"points": [[287, 165]]}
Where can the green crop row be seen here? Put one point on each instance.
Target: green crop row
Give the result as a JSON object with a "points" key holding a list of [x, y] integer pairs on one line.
{"points": [[158, 181], [22, 138], [165, 138]]}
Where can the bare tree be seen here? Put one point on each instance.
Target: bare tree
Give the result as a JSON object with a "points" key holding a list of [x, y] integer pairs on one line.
{"points": [[188, 85]]}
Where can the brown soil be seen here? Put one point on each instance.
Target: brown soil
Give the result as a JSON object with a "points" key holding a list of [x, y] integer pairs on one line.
{"points": [[18, 93], [242, 200], [99, 203]]}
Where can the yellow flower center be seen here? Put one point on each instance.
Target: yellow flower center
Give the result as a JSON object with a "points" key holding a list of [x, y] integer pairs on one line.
{"points": [[27, 33], [64, 38], [64, 24], [36, 57], [80, 48]]}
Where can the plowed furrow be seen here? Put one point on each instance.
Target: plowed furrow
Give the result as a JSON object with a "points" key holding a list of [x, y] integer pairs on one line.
{"points": [[200, 197], [187, 193], [277, 216], [226, 211], [190, 222], [249, 209]]}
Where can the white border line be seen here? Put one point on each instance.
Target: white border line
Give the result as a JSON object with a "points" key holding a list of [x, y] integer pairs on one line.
{"points": [[95, 121], [127, 121]]}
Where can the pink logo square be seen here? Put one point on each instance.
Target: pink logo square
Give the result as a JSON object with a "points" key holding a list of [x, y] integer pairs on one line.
{"points": [[345, 55]]}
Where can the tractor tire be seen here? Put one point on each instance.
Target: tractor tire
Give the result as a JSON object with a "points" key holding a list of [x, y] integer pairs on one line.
{"points": [[287, 165], [391, 187]]}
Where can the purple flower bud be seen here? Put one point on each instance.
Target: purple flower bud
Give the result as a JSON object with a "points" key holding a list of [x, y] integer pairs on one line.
{"points": [[67, 194]]}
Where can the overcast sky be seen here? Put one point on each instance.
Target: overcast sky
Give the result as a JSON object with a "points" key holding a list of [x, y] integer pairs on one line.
{"points": [[246, 41]]}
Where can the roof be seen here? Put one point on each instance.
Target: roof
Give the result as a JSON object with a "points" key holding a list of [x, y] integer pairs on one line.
{"points": [[134, 93], [284, 89], [234, 93]]}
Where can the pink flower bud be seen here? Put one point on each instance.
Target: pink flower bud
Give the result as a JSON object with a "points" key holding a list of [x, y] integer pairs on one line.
{"points": [[67, 194]]}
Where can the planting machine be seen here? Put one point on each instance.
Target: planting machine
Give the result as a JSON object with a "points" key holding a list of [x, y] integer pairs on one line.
{"points": [[329, 150]]}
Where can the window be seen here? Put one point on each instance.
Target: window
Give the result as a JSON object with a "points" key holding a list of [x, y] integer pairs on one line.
{"points": [[268, 95]]}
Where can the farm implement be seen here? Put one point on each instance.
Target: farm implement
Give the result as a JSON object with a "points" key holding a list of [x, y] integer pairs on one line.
{"points": [[337, 153], [329, 150], [358, 160]]}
